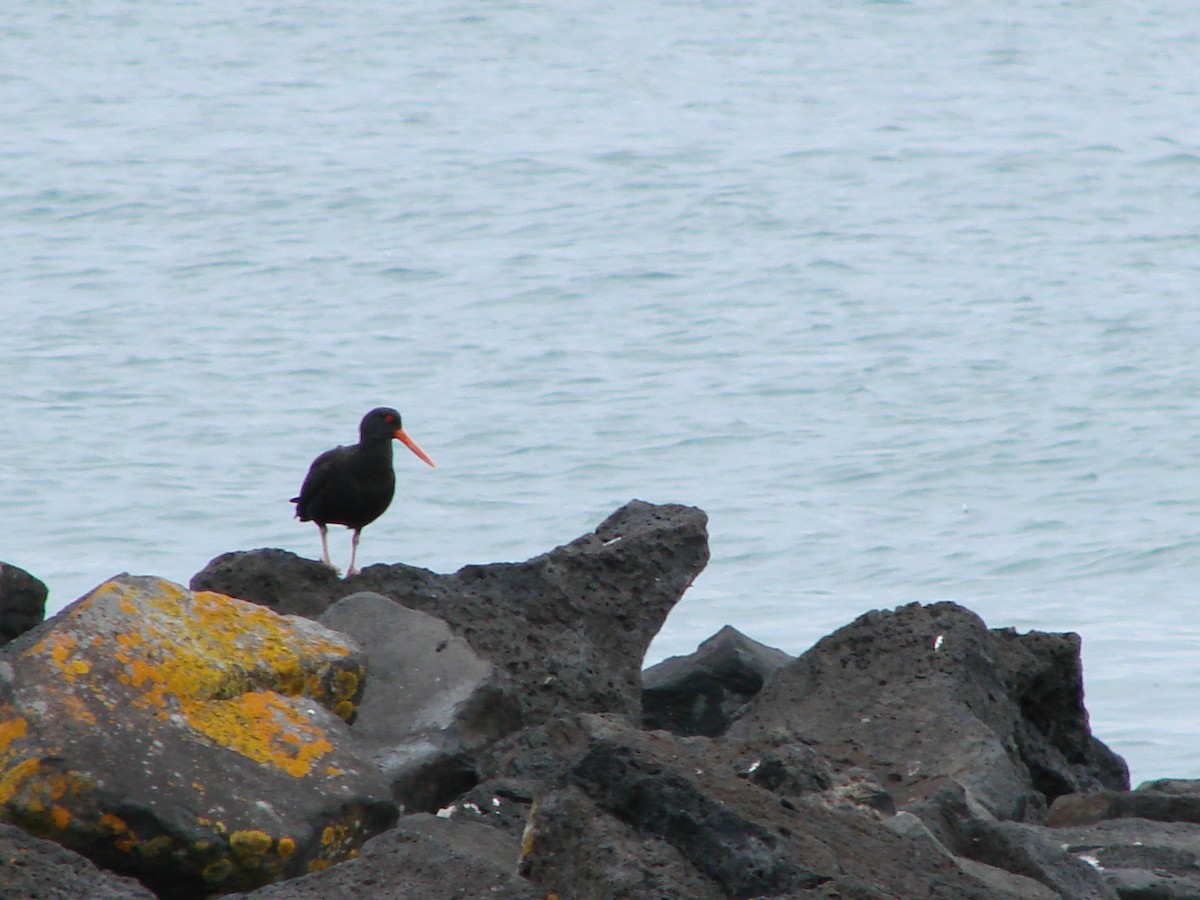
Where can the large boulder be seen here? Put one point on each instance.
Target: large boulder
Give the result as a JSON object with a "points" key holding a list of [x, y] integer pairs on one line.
{"points": [[700, 693], [278, 579], [194, 741], [567, 629], [22, 602], [623, 812], [431, 701], [925, 696]]}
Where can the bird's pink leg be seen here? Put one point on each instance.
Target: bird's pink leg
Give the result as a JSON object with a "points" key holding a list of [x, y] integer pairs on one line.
{"points": [[353, 553], [325, 546]]}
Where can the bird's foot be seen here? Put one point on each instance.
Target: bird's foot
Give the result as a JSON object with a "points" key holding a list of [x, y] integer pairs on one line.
{"points": [[350, 573]]}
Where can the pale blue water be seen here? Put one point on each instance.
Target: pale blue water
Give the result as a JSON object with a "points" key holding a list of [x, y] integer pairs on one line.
{"points": [[903, 294]]}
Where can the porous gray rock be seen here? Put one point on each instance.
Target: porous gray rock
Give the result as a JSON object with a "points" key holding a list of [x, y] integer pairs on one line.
{"points": [[431, 702], [22, 602], [1139, 858], [1043, 675], [659, 802], [700, 693], [568, 629], [277, 579], [578, 850], [1164, 801], [1007, 884], [422, 858], [970, 831], [35, 869], [926, 695]]}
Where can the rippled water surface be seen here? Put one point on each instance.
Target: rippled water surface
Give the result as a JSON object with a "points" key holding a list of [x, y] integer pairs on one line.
{"points": [[904, 295]]}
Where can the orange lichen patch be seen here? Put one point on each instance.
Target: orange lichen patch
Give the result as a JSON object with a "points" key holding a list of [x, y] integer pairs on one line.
{"points": [[14, 780], [12, 730], [345, 684], [333, 771], [217, 826], [291, 681], [250, 843], [112, 824], [220, 663], [264, 727], [129, 641], [340, 840], [36, 788], [217, 871], [344, 710], [154, 846], [77, 709], [58, 646], [286, 847]]}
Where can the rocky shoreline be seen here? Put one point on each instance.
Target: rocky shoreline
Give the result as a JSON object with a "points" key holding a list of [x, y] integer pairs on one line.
{"points": [[273, 731]]}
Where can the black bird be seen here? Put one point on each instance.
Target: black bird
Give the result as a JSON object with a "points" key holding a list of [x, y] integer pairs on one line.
{"points": [[352, 486]]}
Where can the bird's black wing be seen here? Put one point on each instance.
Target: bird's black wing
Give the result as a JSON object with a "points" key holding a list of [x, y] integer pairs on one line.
{"points": [[318, 475]]}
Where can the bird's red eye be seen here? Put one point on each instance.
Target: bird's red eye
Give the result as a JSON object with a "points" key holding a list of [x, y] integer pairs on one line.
{"points": [[390, 419]]}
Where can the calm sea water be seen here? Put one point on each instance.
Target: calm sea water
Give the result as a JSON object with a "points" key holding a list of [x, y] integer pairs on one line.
{"points": [[904, 295]]}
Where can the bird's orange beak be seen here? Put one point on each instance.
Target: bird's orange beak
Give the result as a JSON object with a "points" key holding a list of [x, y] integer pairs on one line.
{"points": [[400, 435]]}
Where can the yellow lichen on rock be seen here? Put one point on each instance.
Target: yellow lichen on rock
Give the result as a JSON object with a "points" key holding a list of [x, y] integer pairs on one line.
{"points": [[345, 684], [225, 665], [217, 871], [59, 647], [130, 701], [10, 730], [250, 843], [264, 727]]}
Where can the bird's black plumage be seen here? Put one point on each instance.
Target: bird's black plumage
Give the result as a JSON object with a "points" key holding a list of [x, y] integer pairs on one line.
{"points": [[354, 485]]}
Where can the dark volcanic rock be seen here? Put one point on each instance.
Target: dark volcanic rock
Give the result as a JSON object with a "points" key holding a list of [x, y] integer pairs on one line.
{"points": [[1007, 884], [287, 583], [699, 693], [422, 858], [568, 629], [1043, 674], [22, 602], [1171, 805], [1188, 787], [660, 802], [580, 851], [788, 770], [201, 744], [926, 695], [1140, 858], [970, 831], [32, 868], [187, 739], [430, 703]]}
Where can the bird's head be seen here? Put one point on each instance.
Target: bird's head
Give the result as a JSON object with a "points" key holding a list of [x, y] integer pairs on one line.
{"points": [[384, 423]]}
